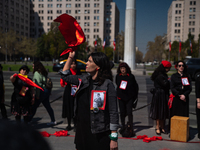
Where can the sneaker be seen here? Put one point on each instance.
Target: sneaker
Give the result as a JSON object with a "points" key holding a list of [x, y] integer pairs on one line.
{"points": [[52, 123]]}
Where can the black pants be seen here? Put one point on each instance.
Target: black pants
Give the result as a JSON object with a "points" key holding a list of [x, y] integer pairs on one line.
{"points": [[198, 120], [126, 109], [3, 111], [44, 99]]}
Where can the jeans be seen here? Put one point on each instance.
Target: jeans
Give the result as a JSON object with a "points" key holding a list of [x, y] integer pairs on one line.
{"points": [[44, 99]]}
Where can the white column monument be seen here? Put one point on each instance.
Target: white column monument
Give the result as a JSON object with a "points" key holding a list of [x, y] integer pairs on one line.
{"points": [[129, 41]]}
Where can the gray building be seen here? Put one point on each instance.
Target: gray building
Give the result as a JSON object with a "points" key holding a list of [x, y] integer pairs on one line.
{"points": [[15, 14], [98, 18], [183, 17]]}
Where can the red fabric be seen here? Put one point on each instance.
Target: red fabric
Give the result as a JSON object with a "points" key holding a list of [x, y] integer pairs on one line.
{"points": [[45, 134], [179, 46], [73, 71], [71, 31], [166, 64], [28, 81], [95, 43], [62, 83], [170, 46], [61, 133], [114, 44], [126, 74], [171, 97]]}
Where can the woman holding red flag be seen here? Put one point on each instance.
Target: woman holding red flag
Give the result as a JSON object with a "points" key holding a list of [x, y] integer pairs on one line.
{"points": [[23, 96], [69, 95], [159, 107]]}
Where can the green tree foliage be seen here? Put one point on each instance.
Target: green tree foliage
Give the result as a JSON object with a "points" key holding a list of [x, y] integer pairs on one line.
{"points": [[120, 45]]}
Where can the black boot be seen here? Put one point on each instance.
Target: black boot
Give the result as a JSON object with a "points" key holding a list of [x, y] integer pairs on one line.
{"points": [[123, 127]]}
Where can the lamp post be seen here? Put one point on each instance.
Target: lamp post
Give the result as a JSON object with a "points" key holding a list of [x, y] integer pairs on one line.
{"points": [[14, 55]]}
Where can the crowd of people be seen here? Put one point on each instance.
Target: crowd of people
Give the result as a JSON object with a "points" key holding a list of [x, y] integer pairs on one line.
{"points": [[91, 100]]}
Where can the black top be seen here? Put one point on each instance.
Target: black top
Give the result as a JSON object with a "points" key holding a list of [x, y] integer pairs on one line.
{"points": [[1, 85], [162, 82], [197, 87], [177, 87], [131, 89]]}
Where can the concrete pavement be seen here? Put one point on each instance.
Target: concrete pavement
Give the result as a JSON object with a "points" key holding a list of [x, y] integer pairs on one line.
{"points": [[143, 125]]}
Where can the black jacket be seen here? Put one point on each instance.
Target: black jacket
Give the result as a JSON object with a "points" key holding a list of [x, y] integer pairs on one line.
{"points": [[104, 120], [1, 86]]}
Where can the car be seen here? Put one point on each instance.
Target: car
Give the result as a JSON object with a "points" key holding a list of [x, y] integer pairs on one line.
{"points": [[193, 67], [81, 65]]}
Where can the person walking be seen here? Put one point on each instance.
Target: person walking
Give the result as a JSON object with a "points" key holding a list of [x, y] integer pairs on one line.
{"points": [[181, 86], [68, 96], [197, 91], [23, 96], [40, 77], [94, 125], [2, 93], [159, 110], [127, 92]]}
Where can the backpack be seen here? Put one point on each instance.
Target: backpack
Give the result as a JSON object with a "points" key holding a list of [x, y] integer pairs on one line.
{"points": [[49, 83]]}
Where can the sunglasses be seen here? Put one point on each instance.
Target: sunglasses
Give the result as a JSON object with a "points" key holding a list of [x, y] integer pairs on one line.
{"points": [[180, 65]]}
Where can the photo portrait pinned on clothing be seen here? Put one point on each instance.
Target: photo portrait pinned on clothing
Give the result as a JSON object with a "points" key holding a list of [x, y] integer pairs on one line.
{"points": [[98, 100], [185, 81], [73, 89], [123, 84]]}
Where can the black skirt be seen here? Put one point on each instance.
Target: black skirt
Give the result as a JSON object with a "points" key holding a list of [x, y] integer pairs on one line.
{"points": [[159, 105]]}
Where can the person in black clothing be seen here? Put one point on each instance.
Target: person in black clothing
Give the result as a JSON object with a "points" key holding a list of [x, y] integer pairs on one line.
{"points": [[181, 87], [23, 96], [127, 92], [2, 91], [159, 110], [197, 90], [94, 125], [68, 97]]}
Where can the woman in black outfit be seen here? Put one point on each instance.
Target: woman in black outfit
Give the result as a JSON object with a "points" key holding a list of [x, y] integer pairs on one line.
{"points": [[23, 96], [159, 107], [127, 91], [181, 87], [68, 96], [2, 91], [94, 124], [197, 90]]}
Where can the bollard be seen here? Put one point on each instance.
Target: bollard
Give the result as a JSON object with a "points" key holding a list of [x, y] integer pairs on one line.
{"points": [[144, 72], [9, 69]]}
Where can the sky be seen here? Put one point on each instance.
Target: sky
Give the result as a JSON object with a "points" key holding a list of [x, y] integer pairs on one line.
{"points": [[151, 20]]}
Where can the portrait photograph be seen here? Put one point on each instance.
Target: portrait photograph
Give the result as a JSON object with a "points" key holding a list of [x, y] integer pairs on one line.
{"points": [[98, 99], [123, 84], [185, 81]]}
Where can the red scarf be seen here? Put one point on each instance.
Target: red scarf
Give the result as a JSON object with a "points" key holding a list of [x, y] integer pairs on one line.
{"points": [[62, 82]]}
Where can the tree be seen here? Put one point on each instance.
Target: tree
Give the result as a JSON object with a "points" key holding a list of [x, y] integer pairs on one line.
{"points": [[155, 49], [139, 57], [120, 45]]}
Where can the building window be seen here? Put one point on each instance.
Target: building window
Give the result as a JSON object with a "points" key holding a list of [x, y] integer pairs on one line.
{"points": [[77, 5], [49, 18], [68, 11], [59, 11], [50, 5], [77, 11], [68, 5], [50, 11], [87, 5], [59, 5]]}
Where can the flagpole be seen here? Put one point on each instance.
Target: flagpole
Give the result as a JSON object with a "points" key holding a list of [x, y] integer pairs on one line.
{"points": [[179, 55], [113, 56], [169, 56]]}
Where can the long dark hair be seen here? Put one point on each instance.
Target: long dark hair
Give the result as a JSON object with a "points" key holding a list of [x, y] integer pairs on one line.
{"points": [[123, 64], [38, 66], [101, 60], [157, 71], [185, 67]]}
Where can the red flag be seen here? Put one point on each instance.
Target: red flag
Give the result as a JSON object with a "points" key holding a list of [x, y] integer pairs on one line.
{"points": [[191, 46], [170, 46], [28, 81], [179, 46], [114, 44], [95, 43], [71, 31]]}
